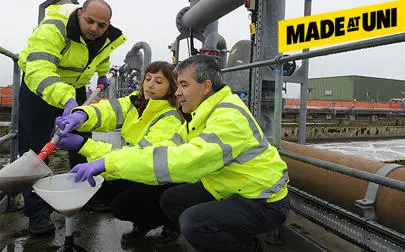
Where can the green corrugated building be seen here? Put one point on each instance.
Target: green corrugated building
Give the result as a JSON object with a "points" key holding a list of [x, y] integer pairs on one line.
{"points": [[352, 87]]}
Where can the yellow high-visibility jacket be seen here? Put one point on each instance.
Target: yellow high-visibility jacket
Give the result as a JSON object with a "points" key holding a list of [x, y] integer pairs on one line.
{"points": [[55, 62], [222, 145], [159, 122]]}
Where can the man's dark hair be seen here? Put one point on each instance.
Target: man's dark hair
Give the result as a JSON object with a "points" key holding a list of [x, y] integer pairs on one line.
{"points": [[205, 68], [87, 2]]}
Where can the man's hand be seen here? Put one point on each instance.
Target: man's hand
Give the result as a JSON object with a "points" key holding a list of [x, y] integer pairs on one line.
{"points": [[69, 105], [71, 122], [86, 171]]}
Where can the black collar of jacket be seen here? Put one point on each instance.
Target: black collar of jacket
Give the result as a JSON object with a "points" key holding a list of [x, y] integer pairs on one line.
{"points": [[186, 116], [74, 33]]}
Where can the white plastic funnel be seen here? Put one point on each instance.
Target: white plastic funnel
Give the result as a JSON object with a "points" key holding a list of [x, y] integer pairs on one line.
{"points": [[65, 195], [22, 173]]}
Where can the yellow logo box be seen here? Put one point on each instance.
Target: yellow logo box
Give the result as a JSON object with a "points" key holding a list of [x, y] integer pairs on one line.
{"points": [[341, 26]]}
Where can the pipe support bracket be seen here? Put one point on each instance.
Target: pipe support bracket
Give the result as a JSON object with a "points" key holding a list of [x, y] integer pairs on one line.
{"points": [[368, 203]]}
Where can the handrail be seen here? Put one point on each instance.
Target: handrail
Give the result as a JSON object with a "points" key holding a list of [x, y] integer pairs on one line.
{"points": [[13, 135], [389, 182], [9, 54], [14, 107], [279, 60], [8, 137], [363, 44]]}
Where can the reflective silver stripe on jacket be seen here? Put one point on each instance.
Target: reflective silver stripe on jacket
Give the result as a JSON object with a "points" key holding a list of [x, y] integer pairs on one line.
{"points": [[43, 56], [254, 152], [116, 106], [46, 83], [144, 143], [62, 29], [226, 148], [168, 113], [161, 166], [73, 69], [67, 45], [177, 139], [125, 143], [98, 114], [276, 187], [59, 24]]}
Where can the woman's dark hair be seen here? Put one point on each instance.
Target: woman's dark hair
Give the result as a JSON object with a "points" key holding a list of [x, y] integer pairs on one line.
{"points": [[167, 70]]}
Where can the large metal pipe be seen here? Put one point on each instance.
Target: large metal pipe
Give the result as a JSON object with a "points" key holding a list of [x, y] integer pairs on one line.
{"points": [[214, 41], [135, 63], [221, 45], [205, 12], [344, 190], [133, 58]]}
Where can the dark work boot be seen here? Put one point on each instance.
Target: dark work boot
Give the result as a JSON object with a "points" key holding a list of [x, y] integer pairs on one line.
{"points": [[133, 237], [40, 225], [96, 205], [256, 246], [168, 237]]}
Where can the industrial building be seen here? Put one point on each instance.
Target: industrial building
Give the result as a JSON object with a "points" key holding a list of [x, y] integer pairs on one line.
{"points": [[361, 88]]}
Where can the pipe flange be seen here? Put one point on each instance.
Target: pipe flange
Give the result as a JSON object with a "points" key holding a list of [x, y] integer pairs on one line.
{"points": [[179, 22], [198, 34]]}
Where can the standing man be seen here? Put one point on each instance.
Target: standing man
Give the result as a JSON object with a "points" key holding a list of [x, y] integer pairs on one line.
{"points": [[63, 53], [235, 181]]}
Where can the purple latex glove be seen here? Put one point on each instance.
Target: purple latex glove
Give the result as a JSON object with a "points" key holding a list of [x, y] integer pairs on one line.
{"points": [[103, 82], [69, 141], [71, 122], [86, 171], [69, 105]]}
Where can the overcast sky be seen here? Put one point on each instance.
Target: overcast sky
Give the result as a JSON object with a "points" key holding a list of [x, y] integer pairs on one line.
{"points": [[153, 21]]}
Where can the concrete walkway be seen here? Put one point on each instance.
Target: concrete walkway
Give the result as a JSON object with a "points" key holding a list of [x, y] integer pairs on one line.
{"points": [[95, 231]]}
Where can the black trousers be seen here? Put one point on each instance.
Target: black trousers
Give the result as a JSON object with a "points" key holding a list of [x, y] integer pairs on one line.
{"points": [[134, 202], [36, 123], [226, 225]]}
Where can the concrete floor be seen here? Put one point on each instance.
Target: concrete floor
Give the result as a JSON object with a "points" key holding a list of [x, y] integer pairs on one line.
{"points": [[102, 232], [95, 231]]}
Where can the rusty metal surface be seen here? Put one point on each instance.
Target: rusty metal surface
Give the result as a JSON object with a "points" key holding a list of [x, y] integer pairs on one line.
{"points": [[343, 190]]}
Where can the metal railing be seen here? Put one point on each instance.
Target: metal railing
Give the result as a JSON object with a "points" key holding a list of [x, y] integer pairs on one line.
{"points": [[389, 182], [14, 106], [7, 202], [278, 62]]}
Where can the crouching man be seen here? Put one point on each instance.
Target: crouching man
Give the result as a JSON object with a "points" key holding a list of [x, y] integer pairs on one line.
{"points": [[235, 181]]}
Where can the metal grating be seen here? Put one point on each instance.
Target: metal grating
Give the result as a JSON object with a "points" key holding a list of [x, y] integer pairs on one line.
{"points": [[354, 231]]}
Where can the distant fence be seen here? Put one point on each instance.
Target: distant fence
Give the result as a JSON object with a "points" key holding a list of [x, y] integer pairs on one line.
{"points": [[6, 96]]}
